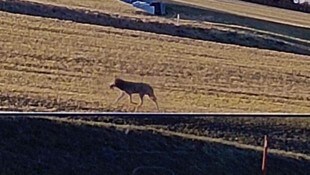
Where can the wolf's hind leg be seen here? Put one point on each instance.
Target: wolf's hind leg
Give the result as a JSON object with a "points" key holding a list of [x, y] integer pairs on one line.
{"points": [[141, 102]]}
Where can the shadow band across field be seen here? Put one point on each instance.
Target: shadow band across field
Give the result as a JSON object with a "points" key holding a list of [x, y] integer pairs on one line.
{"points": [[44, 146], [192, 12], [134, 23]]}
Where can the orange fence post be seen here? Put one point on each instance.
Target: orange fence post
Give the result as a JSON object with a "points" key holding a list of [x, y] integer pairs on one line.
{"points": [[264, 162]]}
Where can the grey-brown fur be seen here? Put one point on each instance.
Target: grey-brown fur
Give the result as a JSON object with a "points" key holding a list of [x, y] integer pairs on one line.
{"points": [[130, 88]]}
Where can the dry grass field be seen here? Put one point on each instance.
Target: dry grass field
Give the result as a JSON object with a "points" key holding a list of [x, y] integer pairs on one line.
{"points": [[256, 11], [57, 65], [63, 58], [111, 6], [236, 7]]}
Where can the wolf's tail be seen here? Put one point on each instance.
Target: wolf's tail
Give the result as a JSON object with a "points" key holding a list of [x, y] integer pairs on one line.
{"points": [[151, 93], [153, 97]]}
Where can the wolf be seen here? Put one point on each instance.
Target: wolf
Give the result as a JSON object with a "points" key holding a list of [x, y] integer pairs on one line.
{"points": [[128, 87]]}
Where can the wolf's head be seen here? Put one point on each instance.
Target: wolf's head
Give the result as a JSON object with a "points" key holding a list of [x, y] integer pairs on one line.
{"points": [[117, 83]]}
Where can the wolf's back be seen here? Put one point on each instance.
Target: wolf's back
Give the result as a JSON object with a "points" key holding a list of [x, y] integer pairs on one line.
{"points": [[145, 87]]}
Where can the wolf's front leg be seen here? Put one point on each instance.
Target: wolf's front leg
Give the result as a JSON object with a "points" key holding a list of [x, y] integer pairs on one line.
{"points": [[119, 97], [130, 98]]}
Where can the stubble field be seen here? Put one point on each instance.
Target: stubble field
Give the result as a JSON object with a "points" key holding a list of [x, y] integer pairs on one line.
{"points": [[64, 65], [56, 65]]}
